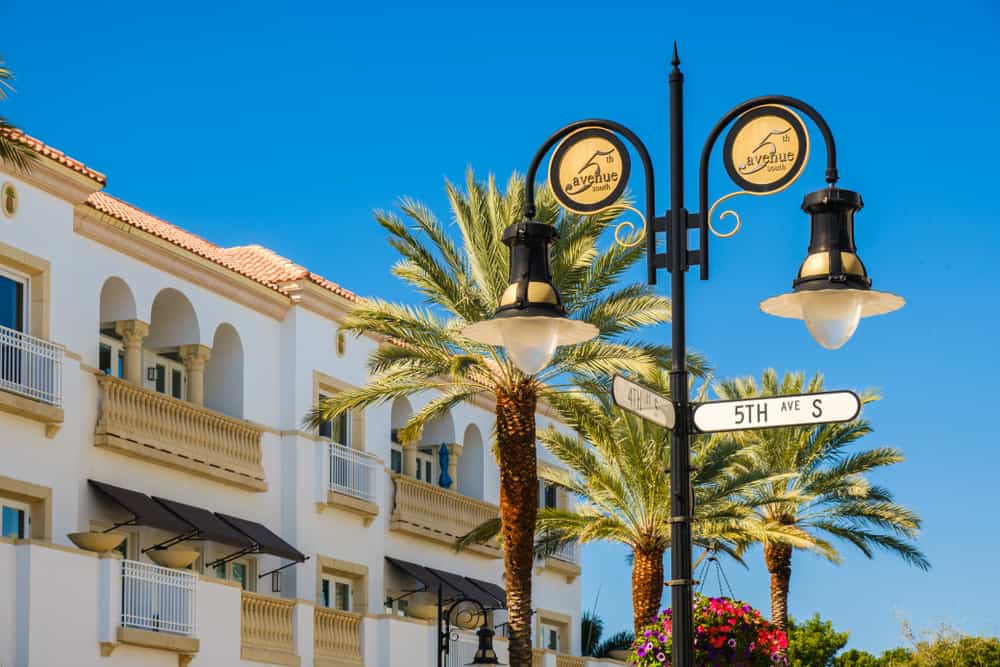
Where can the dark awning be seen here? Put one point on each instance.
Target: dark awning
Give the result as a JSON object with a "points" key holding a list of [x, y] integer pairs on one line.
{"points": [[425, 577], [452, 585], [144, 510], [494, 591], [466, 587], [267, 542], [209, 526]]}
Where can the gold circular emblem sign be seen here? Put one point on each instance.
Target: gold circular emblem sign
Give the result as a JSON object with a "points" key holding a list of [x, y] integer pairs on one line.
{"points": [[766, 149], [589, 170], [8, 199]]}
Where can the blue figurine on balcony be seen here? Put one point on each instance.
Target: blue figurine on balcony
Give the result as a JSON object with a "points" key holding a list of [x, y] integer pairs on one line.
{"points": [[444, 481]]}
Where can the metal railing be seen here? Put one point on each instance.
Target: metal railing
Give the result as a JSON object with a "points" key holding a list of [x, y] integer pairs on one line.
{"points": [[568, 552], [30, 366], [352, 472], [157, 598]]}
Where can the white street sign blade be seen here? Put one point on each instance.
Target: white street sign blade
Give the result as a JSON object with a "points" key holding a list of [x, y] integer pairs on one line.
{"points": [[642, 402], [799, 410]]}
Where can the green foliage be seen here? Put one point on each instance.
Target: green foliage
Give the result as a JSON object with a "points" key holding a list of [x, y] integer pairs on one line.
{"points": [[462, 277], [813, 643], [949, 648], [620, 641], [591, 629], [12, 152]]}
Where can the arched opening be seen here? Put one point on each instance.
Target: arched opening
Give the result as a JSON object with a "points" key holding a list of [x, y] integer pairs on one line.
{"points": [[173, 321], [470, 465], [117, 304], [224, 373], [431, 462], [401, 413], [173, 333]]}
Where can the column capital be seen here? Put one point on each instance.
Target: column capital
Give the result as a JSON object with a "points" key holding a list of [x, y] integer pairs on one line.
{"points": [[455, 448], [132, 332], [194, 356]]}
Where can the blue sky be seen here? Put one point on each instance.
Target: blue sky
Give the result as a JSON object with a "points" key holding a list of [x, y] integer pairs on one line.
{"points": [[286, 124]]}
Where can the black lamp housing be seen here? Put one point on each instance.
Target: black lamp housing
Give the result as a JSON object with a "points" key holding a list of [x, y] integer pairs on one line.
{"points": [[832, 263], [485, 655]]}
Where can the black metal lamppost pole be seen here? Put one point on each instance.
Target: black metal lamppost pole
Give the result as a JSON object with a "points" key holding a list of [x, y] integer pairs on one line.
{"points": [[831, 292]]}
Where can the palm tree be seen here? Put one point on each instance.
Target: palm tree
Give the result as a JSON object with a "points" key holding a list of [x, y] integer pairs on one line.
{"points": [[463, 284], [616, 466], [12, 151], [824, 492]]}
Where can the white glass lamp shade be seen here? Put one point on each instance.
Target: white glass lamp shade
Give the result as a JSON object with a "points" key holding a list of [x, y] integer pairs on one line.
{"points": [[531, 340], [832, 315]]}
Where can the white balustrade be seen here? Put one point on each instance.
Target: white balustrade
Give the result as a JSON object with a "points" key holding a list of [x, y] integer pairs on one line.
{"points": [[30, 366], [568, 552], [352, 472], [157, 598]]}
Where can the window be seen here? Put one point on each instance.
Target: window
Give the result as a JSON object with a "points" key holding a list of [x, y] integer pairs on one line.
{"points": [[550, 496], [396, 459], [175, 383], [166, 375], [337, 593], [13, 301], [396, 607], [241, 571], [338, 429], [111, 357], [425, 467], [16, 519], [550, 637]]}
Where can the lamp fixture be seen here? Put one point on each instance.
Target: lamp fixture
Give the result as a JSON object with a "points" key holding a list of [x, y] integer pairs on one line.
{"points": [[530, 322], [485, 654], [832, 290]]}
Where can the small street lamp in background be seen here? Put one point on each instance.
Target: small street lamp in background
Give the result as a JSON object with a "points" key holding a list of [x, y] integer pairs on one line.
{"points": [[765, 151]]}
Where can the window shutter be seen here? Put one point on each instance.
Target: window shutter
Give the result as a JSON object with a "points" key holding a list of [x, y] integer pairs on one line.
{"points": [[358, 430]]}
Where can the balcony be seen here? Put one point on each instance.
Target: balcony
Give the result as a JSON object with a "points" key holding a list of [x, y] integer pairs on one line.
{"points": [[267, 630], [157, 609], [439, 514], [159, 599], [565, 560], [140, 422], [337, 635], [31, 378], [350, 483]]}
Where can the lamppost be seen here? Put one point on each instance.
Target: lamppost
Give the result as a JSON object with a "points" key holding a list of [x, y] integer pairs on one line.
{"points": [[485, 654], [765, 152]]}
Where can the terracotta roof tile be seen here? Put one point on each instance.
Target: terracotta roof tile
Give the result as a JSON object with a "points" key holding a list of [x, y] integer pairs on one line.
{"points": [[253, 261], [47, 151]]}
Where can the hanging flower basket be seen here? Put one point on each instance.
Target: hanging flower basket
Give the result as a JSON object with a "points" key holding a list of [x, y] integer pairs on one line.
{"points": [[727, 632]]}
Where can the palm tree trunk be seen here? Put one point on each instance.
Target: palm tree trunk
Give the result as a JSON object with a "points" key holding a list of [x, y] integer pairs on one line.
{"points": [[518, 510], [779, 563], [647, 586]]}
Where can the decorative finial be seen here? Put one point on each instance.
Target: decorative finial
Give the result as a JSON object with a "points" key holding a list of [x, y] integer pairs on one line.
{"points": [[676, 60]]}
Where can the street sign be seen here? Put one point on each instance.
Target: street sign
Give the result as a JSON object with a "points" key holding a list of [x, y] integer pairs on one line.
{"points": [[642, 402], [798, 410]]}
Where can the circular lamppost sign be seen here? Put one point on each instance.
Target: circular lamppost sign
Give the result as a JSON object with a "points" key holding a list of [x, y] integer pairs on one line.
{"points": [[589, 170], [766, 149]]}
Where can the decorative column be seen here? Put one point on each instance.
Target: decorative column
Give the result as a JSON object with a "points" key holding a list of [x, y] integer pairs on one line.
{"points": [[410, 459], [132, 333], [194, 358], [454, 450]]}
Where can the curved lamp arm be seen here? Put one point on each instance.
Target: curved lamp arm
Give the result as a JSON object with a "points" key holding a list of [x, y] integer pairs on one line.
{"points": [[640, 148], [706, 153]]}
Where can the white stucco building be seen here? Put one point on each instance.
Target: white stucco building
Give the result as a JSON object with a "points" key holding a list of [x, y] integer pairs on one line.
{"points": [[153, 382]]}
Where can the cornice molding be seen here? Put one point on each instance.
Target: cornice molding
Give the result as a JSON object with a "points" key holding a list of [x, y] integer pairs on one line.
{"points": [[57, 180], [173, 259], [309, 295]]}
